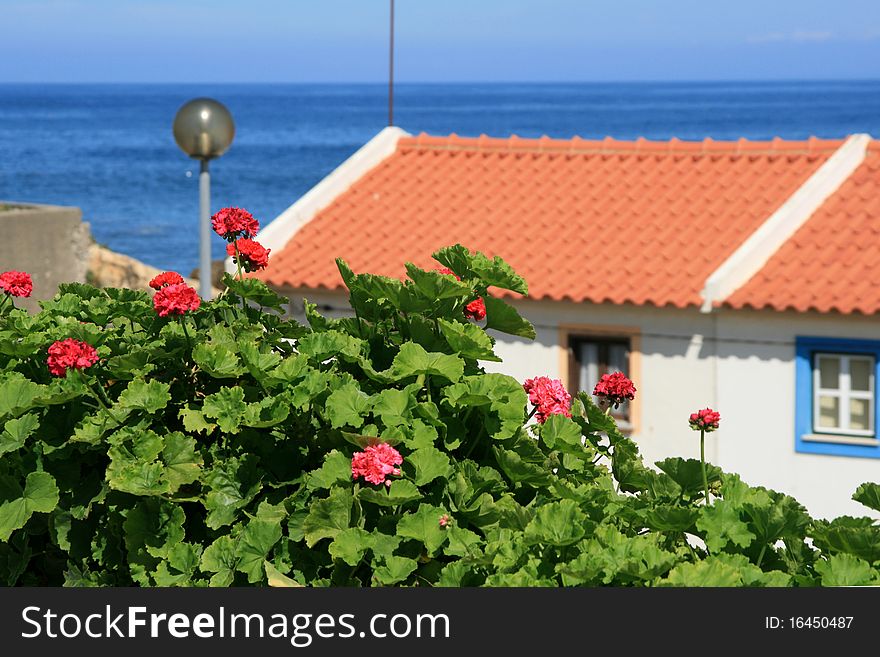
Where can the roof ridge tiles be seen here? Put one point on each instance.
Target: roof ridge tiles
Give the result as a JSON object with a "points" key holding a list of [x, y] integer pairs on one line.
{"points": [[609, 145]]}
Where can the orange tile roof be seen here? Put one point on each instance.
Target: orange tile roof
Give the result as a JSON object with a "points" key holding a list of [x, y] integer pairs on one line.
{"points": [[830, 263], [624, 222]]}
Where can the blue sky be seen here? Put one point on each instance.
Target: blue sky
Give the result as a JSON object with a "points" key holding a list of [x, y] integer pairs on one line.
{"points": [[437, 40]]}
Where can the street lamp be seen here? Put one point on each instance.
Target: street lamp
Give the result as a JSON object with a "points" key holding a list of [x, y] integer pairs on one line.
{"points": [[203, 128]]}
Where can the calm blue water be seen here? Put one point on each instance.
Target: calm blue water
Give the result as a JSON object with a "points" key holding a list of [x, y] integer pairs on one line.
{"points": [[108, 148]]}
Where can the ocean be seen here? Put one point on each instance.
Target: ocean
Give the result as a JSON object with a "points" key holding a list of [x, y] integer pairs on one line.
{"points": [[108, 149]]}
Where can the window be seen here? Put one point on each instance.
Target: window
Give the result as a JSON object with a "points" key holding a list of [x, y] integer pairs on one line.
{"points": [[592, 356], [843, 394], [836, 397]]}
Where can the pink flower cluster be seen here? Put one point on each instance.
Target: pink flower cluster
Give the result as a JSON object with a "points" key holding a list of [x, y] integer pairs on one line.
{"points": [[16, 283], [251, 255], [549, 397], [704, 420], [375, 463], [232, 223], [165, 278], [476, 309], [238, 227], [70, 354], [175, 299], [616, 388]]}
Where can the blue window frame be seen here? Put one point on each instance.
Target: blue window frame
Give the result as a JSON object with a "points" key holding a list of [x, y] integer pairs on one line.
{"points": [[836, 396]]}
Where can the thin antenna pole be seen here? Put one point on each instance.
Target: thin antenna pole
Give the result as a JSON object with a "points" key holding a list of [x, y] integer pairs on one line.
{"points": [[391, 69]]}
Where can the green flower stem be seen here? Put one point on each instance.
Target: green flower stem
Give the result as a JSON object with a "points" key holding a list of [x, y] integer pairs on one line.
{"points": [[99, 395], [3, 302], [237, 262], [186, 333], [428, 388], [761, 555], [703, 464]]}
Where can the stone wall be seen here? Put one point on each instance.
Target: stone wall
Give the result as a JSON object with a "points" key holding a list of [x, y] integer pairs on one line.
{"points": [[47, 241], [54, 245]]}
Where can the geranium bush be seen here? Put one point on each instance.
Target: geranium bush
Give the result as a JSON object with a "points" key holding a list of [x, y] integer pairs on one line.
{"points": [[219, 443]]}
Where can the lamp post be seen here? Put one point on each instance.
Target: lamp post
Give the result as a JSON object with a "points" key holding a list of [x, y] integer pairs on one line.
{"points": [[203, 128]]}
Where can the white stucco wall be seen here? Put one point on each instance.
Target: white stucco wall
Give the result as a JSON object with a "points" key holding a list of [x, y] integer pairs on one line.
{"points": [[739, 363]]}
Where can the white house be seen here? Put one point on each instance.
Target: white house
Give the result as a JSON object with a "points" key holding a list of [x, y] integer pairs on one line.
{"points": [[741, 275]]}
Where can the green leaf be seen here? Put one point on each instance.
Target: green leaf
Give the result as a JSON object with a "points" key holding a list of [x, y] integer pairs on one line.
{"points": [[495, 272], [335, 470], [846, 570], [291, 369], [427, 464], [709, 572], [150, 396], [268, 412], [228, 407], [721, 525], [40, 496], [328, 344], [232, 484], [350, 545], [857, 536], [688, 474], [469, 340], [152, 528], [219, 558], [276, 579], [491, 271], [412, 360], [504, 318], [462, 542], [783, 518], [194, 420], [328, 517], [17, 394], [559, 432], [256, 291], [217, 360], [667, 518], [520, 471], [424, 526], [869, 495], [395, 569], [393, 406], [258, 361], [254, 545], [436, 286], [182, 463], [557, 523], [16, 432], [347, 406], [401, 491]]}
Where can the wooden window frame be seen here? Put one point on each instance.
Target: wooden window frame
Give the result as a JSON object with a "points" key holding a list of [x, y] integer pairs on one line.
{"points": [[571, 333]]}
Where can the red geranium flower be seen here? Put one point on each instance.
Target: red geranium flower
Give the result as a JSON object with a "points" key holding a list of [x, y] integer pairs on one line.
{"points": [[616, 388], [70, 354], [16, 283], [252, 256], [375, 463], [232, 223], [549, 396], [476, 310], [166, 278], [176, 299], [704, 420]]}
